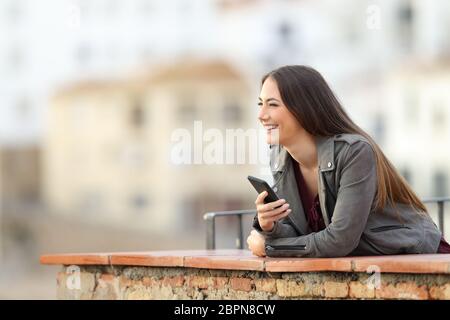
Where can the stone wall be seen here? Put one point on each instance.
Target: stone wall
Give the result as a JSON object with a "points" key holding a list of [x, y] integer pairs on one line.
{"points": [[130, 283]]}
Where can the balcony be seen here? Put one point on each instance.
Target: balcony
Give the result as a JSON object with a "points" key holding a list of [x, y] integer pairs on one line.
{"points": [[237, 274]]}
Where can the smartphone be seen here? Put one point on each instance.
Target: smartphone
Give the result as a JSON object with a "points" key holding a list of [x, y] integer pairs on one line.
{"points": [[260, 186]]}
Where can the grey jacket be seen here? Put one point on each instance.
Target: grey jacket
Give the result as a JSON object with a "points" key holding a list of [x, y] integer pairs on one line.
{"points": [[347, 189]]}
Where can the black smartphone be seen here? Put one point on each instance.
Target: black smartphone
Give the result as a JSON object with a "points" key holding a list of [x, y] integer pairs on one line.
{"points": [[260, 186]]}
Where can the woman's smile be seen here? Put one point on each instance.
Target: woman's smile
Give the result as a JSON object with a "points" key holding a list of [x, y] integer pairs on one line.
{"points": [[270, 127]]}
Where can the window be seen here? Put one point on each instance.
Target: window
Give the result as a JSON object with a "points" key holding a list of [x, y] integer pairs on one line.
{"points": [[187, 109], [137, 114], [111, 7], [405, 13], [287, 36], [406, 173], [232, 114], [146, 54], [440, 184], [351, 32], [405, 16], [16, 59], [23, 109], [147, 7], [79, 115], [83, 54], [14, 11], [379, 128], [186, 113], [439, 118], [139, 202], [411, 107], [90, 202], [133, 156], [184, 7], [285, 32]]}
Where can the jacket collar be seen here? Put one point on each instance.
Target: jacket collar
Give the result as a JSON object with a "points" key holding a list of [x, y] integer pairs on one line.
{"points": [[325, 154]]}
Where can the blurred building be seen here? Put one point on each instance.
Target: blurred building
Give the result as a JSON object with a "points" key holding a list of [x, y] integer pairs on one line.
{"points": [[417, 121], [357, 46], [48, 43], [107, 151], [19, 177], [83, 39]]}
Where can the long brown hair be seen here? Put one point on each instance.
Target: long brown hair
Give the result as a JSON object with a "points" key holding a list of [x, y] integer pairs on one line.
{"points": [[309, 98]]}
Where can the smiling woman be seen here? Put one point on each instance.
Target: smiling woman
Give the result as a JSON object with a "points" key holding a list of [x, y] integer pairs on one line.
{"points": [[344, 196]]}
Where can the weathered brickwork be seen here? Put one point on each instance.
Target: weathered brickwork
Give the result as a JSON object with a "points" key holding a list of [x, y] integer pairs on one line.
{"points": [[102, 282]]}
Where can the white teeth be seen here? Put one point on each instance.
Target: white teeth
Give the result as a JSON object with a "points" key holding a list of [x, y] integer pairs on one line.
{"points": [[270, 127]]}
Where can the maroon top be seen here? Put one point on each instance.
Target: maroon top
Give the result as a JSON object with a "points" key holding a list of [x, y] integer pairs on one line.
{"points": [[444, 247], [310, 203], [311, 206]]}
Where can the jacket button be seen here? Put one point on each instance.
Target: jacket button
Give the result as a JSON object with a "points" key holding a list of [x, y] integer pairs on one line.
{"points": [[275, 189], [329, 164], [276, 165]]}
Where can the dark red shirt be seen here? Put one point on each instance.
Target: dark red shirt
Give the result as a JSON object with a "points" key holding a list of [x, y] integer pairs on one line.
{"points": [[444, 247], [311, 206]]}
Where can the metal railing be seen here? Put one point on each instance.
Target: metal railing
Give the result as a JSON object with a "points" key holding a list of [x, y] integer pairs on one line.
{"points": [[210, 218], [440, 203]]}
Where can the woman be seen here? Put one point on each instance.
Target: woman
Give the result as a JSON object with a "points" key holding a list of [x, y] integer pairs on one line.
{"points": [[339, 194]]}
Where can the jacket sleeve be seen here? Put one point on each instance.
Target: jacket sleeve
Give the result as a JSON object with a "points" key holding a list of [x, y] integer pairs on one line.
{"points": [[357, 189], [281, 229]]}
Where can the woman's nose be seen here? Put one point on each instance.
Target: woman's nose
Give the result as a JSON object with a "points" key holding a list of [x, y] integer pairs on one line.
{"points": [[262, 114]]}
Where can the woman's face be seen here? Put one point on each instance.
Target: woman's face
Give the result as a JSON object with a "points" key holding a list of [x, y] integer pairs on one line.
{"points": [[280, 124]]}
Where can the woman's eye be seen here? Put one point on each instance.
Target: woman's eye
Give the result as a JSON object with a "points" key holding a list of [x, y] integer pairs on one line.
{"points": [[270, 105]]}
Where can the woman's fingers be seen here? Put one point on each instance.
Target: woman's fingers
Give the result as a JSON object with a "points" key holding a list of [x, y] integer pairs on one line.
{"points": [[272, 213], [281, 216], [260, 198], [273, 205], [256, 243], [267, 206], [267, 214], [270, 206], [278, 216]]}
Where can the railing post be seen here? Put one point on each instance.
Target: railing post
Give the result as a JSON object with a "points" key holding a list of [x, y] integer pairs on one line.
{"points": [[440, 201], [210, 230], [441, 215], [210, 217], [241, 233]]}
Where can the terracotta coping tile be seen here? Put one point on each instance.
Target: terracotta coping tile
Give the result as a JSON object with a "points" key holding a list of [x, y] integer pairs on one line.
{"points": [[170, 258], [225, 262], [76, 259], [308, 264], [233, 259], [411, 263]]}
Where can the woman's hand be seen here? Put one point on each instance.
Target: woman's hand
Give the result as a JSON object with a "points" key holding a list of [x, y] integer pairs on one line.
{"points": [[267, 214], [256, 243]]}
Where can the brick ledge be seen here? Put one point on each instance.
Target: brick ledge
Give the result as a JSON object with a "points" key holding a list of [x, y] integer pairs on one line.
{"points": [[243, 260]]}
